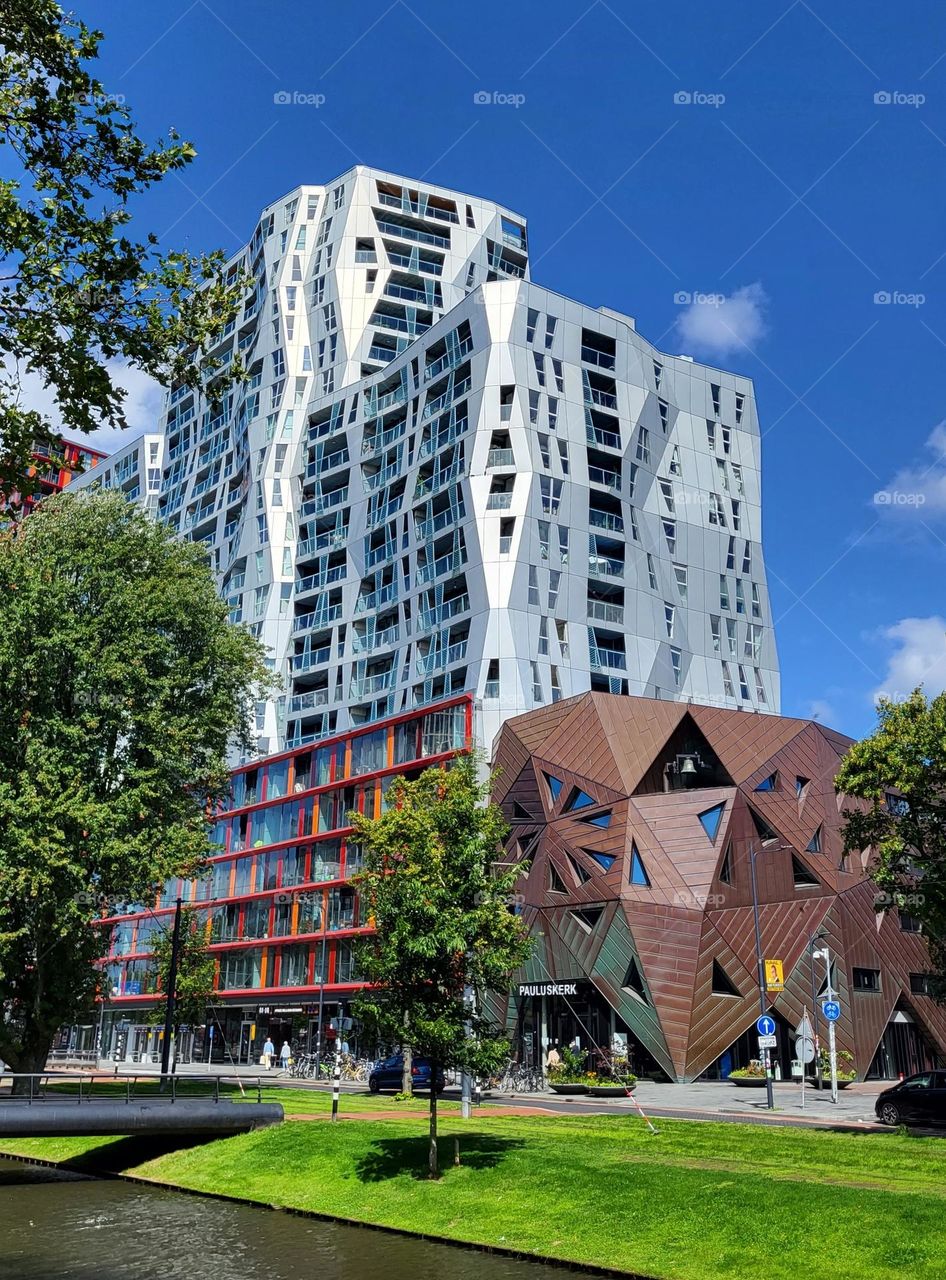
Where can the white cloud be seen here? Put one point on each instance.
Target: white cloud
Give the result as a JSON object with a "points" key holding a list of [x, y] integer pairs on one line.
{"points": [[919, 657], [919, 490], [716, 325], [144, 400], [822, 711]]}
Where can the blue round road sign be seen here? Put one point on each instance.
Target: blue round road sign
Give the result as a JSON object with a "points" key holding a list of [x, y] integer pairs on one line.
{"points": [[766, 1025], [831, 1010]]}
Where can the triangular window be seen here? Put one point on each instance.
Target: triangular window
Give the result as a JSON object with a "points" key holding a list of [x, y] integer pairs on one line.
{"points": [[802, 877], [723, 985], [578, 800], [814, 844], [769, 783], [522, 814], [634, 982], [765, 832], [581, 875], [599, 819], [638, 875], [526, 845], [710, 819], [556, 883], [800, 785], [725, 871], [554, 785], [587, 917], [604, 860]]}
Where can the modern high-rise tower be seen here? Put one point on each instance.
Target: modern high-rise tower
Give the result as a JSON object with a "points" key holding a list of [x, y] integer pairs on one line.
{"points": [[441, 477]]}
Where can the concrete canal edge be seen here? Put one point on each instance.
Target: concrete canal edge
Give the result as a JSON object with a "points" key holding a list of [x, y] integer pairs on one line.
{"points": [[501, 1251]]}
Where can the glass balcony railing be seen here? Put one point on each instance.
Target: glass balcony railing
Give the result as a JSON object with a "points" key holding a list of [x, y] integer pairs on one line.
{"points": [[605, 612]]}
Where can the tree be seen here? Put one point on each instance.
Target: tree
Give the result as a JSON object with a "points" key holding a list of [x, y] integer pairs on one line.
{"points": [[196, 967], [900, 771], [436, 888], [122, 685], [77, 293]]}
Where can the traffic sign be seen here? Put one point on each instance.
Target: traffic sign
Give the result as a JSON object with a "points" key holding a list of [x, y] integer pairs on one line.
{"points": [[774, 975], [805, 1028], [831, 1010], [768, 1042], [805, 1049], [766, 1025]]}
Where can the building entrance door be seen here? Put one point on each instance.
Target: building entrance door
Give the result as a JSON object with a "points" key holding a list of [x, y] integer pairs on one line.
{"points": [[245, 1053]]}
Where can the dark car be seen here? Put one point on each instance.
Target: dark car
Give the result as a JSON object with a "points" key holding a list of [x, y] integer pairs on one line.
{"points": [[389, 1074], [920, 1099]]}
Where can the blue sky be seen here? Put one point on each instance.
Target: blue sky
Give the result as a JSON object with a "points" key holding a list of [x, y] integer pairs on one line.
{"points": [[658, 150]]}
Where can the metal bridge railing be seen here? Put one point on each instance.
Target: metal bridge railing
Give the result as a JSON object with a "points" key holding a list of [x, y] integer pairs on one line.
{"points": [[62, 1086]]}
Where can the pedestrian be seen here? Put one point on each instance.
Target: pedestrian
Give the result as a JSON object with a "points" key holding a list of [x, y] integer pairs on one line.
{"points": [[554, 1058], [285, 1053], [269, 1052]]}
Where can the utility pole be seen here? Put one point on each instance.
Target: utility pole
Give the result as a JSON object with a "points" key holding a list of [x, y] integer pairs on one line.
{"points": [[171, 990], [825, 955], [760, 974], [814, 1012]]}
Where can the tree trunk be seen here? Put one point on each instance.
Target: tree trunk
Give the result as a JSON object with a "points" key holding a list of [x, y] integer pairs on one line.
{"points": [[434, 1169], [31, 1060], [408, 1063]]}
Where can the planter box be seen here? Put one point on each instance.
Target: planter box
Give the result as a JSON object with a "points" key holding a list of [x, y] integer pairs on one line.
{"points": [[609, 1090], [749, 1082], [569, 1088]]}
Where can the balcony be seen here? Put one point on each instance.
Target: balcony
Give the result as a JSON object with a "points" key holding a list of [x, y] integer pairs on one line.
{"points": [[376, 443], [605, 520], [317, 618], [499, 501], [375, 640], [500, 458], [607, 479], [327, 463], [605, 566], [323, 579], [441, 658], [448, 360], [368, 686], [325, 502], [389, 228], [603, 359], [378, 479], [308, 701], [323, 541], [430, 484], [437, 568], [310, 658], [608, 659], [428, 619], [598, 435], [375, 599], [605, 612], [605, 399], [445, 519]]}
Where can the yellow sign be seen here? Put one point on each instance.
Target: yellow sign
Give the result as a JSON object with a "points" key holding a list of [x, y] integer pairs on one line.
{"points": [[774, 976]]}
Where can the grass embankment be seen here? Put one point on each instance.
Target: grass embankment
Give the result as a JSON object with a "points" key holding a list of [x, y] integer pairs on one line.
{"points": [[694, 1202]]}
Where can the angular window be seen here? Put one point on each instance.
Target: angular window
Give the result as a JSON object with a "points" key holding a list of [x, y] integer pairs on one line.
{"points": [[725, 871], [800, 786], [801, 876], [599, 819], [604, 860], [814, 844], [587, 917], [710, 819], [723, 985], [581, 875], [556, 884], [769, 783], [637, 874], [578, 800], [865, 979], [554, 786], [763, 830], [634, 983]]}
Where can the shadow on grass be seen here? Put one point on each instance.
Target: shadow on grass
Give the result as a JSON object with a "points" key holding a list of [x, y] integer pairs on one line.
{"points": [[128, 1153], [391, 1157]]}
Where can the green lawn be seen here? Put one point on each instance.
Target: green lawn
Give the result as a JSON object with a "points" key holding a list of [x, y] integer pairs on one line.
{"points": [[694, 1202]]}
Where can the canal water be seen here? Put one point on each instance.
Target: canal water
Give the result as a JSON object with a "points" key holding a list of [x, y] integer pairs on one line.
{"points": [[57, 1226]]}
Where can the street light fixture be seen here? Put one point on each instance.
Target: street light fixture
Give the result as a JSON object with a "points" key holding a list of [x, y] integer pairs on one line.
{"points": [[825, 954], [760, 961]]}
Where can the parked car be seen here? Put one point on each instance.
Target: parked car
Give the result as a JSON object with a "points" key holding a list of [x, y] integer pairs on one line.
{"points": [[389, 1073], [920, 1099]]}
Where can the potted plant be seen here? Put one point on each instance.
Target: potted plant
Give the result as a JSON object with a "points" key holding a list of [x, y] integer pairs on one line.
{"points": [[569, 1077], [845, 1075], [751, 1077], [614, 1080]]}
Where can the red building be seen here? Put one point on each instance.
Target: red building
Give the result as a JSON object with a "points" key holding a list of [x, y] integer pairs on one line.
{"points": [[278, 905], [53, 467]]}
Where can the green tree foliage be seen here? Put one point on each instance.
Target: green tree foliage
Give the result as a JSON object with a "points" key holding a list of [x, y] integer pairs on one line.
{"points": [[900, 770], [122, 683], [77, 292], [438, 892], [193, 989]]}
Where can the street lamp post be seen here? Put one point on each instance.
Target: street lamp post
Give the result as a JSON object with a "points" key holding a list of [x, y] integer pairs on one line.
{"points": [[760, 972], [825, 955], [171, 993], [812, 939]]}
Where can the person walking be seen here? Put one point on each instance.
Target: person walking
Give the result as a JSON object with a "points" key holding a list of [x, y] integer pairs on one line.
{"points": [[269, 1052], [285, 1053], [554, 1058]]}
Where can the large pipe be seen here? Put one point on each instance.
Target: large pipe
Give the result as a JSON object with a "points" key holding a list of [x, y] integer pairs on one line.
{"points": [[60, 1119]]}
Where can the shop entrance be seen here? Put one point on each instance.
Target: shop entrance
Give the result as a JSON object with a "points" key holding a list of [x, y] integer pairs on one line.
{"points": [[245, 1053]]}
